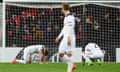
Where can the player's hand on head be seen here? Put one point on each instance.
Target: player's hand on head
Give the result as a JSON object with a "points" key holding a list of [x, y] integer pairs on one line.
{"points": [[57, 40]]}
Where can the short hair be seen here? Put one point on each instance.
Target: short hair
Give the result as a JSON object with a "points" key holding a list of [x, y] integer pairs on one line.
{"points": [[66, 6]]}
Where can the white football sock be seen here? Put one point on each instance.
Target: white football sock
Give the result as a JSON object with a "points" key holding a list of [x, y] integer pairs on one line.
{"points": [[21, 61], [70, 66], [86, 56], [87, 59], [68, 60]]}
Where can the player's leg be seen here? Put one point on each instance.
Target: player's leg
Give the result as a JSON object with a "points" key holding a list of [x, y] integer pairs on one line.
{"points": [[90, 62], [68, 60], [83, 58], [88, 58], [40, 58], [99, 55], [25, 61], [18, 56], [45, 53], [73, 45], [99, 61], [26, 57], [68, 50], [83, 61], [71, 65], [62, 54], [21, 61]]}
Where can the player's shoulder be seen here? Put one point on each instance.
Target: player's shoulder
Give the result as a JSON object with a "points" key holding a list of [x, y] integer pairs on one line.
{"points": [[70, 16]]}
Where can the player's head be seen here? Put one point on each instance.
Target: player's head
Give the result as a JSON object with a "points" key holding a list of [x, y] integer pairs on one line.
{"points": [[65, 7], [45, 51]]}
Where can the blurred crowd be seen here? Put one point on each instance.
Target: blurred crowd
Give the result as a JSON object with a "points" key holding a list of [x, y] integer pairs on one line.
{"points": [[26, 26]]}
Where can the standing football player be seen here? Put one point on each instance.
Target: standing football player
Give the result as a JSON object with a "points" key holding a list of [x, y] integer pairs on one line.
{"points": [[68, 41], [28, 51]]}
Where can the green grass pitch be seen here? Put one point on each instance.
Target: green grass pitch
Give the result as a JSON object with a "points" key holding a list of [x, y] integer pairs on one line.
{"points": [[58, 67]]}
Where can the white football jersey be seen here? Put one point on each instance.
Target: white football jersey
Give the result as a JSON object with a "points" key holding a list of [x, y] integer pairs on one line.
{"points": [[34, 48], [68, 29], [92, 48]]}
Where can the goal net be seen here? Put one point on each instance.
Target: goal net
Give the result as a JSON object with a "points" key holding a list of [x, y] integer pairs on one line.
{"points": [[0, 24], [40, 23]]}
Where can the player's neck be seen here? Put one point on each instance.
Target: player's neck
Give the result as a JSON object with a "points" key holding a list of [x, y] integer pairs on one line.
{"points": [[67, 12]]}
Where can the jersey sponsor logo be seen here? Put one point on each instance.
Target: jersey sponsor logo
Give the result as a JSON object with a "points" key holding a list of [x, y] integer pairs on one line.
{"points": [[69, 22]]}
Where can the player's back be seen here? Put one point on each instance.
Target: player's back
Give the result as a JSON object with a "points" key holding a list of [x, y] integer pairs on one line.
{"points": [[93, 48], [34, 48]]}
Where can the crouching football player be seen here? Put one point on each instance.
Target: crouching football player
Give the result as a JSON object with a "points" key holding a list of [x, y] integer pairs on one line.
{"points": [[92, 52], [28, 51]]}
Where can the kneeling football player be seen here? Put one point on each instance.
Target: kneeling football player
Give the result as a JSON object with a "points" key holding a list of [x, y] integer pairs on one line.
{"points": [[28, 51]]}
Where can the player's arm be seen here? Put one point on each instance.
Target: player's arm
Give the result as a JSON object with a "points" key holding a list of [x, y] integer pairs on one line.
{"points": [[45, 59], [45, 53], [61, 33], [68, 36], [59, 36], [40, 55]]}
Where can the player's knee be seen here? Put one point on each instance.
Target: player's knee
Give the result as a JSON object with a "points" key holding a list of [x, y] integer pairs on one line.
{"points": [[69, 54], [61, 54]]}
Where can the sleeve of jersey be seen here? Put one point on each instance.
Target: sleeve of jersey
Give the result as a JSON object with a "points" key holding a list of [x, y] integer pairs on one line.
{"points": [[61, 34]]}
